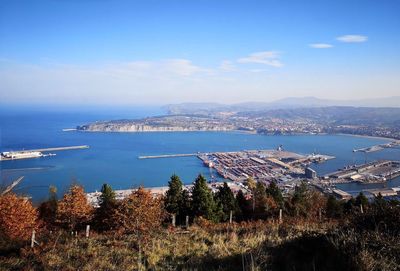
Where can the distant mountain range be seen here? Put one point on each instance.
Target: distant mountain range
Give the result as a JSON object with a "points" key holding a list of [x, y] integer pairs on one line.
{"points": [[286, 103]]}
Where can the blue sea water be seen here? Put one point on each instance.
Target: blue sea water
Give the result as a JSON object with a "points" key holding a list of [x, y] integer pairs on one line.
{"points": [[113, 157]]}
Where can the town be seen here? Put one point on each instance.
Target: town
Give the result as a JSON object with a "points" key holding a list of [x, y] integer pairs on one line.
{"points": [[325, 120]]}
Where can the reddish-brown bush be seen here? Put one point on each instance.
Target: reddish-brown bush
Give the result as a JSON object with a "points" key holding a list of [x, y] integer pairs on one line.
{"points": [[17, 217], [74, 210], [140, 213]]}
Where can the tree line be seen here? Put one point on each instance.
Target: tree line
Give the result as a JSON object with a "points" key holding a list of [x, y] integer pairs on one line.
{"points": [[142, 213]]}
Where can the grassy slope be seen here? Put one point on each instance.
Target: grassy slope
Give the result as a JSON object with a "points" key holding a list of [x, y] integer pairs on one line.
{"points": [[259, 245]]}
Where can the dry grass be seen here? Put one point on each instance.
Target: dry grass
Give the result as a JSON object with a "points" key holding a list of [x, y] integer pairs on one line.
{"points": [[245, 246]]}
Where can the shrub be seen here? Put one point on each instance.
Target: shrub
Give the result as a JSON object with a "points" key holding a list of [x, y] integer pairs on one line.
{"points": [[74, 210], [17, 217], [140, 213]]}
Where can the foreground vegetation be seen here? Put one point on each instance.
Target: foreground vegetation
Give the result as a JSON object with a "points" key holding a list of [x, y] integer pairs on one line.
{"points": [[136, 233]]}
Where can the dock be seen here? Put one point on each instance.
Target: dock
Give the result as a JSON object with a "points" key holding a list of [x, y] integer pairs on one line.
{"points": [[379, 147], [378, 171], [168, 155], [11, 186], [57, 149]]}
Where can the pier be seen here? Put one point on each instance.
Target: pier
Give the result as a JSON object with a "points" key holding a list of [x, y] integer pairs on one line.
{"points": [[11, 186], [57, 149], [373, 172], [168, 155], [379, 147]]}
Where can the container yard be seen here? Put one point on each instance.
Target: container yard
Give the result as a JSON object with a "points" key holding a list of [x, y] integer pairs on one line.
{"points": [[261, 165]]}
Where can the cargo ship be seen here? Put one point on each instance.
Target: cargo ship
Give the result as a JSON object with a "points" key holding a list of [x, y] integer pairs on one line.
{"points": [[20, 155]]}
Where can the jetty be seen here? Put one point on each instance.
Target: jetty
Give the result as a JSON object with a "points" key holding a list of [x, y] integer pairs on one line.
{"points": [[379, 147], [58, 149], [11, 186], [168, 155], [378, 171]]}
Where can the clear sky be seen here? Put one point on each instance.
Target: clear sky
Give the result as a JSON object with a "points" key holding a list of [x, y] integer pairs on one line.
{"points": [[155, 52]]}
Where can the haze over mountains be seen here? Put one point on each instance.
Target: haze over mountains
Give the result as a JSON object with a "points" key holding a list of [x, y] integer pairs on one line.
{"points": [[286, 103]]}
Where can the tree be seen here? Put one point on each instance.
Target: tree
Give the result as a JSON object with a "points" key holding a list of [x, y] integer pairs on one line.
{"points": [[264, 204], [349, 206], [334, 208], [104, 216], [202, 200], [251, 184], [48, 209], [17, 217], [379, 202], [74, 211], [173, 197], [185, 207], [260, 197], [275, 192], [227, 201], [243, 204], [314, 204], [299, 199], [361, 199], [140, 213]]}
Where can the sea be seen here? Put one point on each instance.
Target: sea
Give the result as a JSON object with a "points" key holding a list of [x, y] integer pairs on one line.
{"points": [[113, 157]]}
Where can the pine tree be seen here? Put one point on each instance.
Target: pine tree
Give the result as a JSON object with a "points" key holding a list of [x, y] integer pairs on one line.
{"points": [[275, 192], [334, 208], [226, 200], [349, 205], [104, 217], [48, 209], [251, 184], [173, 197], [243, 204], [379, 202], [260, 196], [185, 206], [264, 204], [299, 199], [361, 199], [202, 200]]}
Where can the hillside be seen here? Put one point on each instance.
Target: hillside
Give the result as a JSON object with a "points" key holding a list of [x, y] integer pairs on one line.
{"points": [[138, 232], [371, 121]]}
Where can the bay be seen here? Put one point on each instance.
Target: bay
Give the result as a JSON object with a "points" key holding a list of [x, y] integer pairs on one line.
{"points": [[113, 157]]}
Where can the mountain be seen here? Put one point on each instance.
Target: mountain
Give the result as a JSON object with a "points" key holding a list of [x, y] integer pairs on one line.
{"points": [[286, 103]]}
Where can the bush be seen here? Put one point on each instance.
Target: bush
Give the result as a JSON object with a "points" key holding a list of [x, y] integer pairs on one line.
{"points": [[17, 217], [73, 210]]}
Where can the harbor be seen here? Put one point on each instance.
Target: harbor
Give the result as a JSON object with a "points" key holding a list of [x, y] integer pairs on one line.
{"points": [[289, 169], [261, 165], [373, 172], [36, 153]]}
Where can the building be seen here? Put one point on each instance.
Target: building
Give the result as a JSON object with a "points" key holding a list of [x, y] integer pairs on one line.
{"points": [[340, 194], [310, 173]]}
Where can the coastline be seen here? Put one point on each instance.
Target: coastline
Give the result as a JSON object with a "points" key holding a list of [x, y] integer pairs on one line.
{"points": [[367, 136], [243, 132]]}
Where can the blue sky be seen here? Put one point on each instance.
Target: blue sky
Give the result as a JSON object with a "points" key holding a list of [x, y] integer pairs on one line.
{"points": [[130, 52]]}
